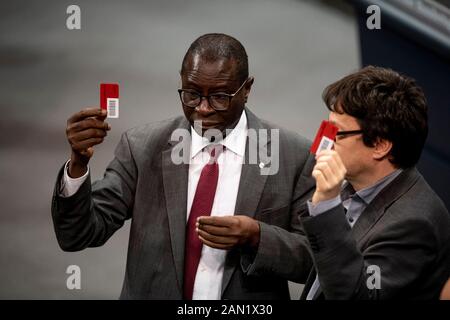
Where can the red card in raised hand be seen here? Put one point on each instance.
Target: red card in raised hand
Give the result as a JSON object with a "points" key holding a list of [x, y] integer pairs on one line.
{"points": [[325, 137], [109, 99]]}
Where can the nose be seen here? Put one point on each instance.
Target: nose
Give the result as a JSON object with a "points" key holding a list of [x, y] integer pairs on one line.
{"points": [[204, 108]]}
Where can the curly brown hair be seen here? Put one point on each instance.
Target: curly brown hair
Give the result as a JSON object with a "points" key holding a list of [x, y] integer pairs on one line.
{"points": [[387, 106]]}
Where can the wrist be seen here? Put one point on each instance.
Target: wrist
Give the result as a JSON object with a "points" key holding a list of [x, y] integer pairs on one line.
{"points": [[255, 235], [76, 168], [323, 196]]}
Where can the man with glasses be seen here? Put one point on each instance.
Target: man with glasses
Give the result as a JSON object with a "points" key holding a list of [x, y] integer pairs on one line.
{"points": [[383, 233], [197, 227]]}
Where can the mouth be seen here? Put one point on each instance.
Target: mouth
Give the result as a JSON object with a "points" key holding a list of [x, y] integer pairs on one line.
{"points": [[204, 124]]}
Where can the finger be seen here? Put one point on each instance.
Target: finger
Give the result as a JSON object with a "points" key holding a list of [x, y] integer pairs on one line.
{"points": [[87, 134], [330, 161], [340, 164], [102, 116], [216, 221], [322, 153], [88, 124], [337, 166], [88, 152], [216, 239], [321, 182], [87, 112], [325, 169], [214, 245], [332, 175], [218, 231], [85, 144], [335, 163]]}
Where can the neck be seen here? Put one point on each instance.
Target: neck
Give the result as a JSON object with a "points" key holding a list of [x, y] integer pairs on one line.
{"points": [[371, 175]]}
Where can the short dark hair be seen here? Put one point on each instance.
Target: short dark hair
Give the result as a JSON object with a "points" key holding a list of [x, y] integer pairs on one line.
{"points": [[215, 46], [386, 105]]}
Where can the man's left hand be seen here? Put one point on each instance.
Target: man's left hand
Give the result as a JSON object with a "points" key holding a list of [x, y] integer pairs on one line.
{"points": [[329, 173], [227, 232]]}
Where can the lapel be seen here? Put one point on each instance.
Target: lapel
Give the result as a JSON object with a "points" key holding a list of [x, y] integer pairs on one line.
{"points": [[175, 182], [251, 186], [376, 209]]}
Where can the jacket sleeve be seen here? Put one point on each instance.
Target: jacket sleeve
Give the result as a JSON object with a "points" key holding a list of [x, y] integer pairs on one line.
{"points": [[390, 264], [285, 253], [91, 216]]}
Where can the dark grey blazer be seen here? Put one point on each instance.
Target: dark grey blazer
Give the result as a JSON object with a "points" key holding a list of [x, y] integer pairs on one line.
{"points": [[142, 183], [405, 231]]}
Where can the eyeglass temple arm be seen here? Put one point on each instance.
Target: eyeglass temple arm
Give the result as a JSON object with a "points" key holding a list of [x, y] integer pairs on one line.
{"points": [[340, 133]]}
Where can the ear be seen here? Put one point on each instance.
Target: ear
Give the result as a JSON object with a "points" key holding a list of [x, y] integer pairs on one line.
{"points": [[381, 149], [248, 88]]}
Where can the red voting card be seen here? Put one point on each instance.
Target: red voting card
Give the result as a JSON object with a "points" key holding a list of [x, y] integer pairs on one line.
{"points": [[325, 137], [109, 99]]}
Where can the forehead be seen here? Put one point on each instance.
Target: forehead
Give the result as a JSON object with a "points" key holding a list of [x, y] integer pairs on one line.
{"points": [[200, 69], [344, 121]]}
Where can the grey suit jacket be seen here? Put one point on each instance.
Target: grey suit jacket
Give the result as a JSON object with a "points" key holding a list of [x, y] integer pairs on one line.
{"points": [[142, 183], [405, 231]]}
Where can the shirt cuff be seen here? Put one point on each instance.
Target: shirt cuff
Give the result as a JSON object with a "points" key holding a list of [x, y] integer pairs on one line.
{"points": [[323, 206], [69, 186]]}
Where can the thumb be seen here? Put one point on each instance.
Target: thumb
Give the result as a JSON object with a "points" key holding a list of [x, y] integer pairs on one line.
{"points": [[88, 152], [320, 179]]}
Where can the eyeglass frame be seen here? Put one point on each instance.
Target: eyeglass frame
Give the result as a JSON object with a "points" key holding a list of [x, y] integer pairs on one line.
{"points": [[229, 95], [350, 132]]}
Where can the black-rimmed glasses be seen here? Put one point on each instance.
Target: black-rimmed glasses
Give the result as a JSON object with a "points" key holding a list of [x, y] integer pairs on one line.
{"points": [[344, 134], [218, 101]]}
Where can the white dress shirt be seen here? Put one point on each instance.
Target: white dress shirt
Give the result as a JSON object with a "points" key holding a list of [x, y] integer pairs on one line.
{"points": [[70, 186], [208, 281]]}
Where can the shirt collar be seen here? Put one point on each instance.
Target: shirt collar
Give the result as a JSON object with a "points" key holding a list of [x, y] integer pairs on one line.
{"points": [[369, 193], [235, 141]]}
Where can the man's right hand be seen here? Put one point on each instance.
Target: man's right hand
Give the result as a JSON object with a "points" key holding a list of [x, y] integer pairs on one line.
{"points": [[85, 129]]}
